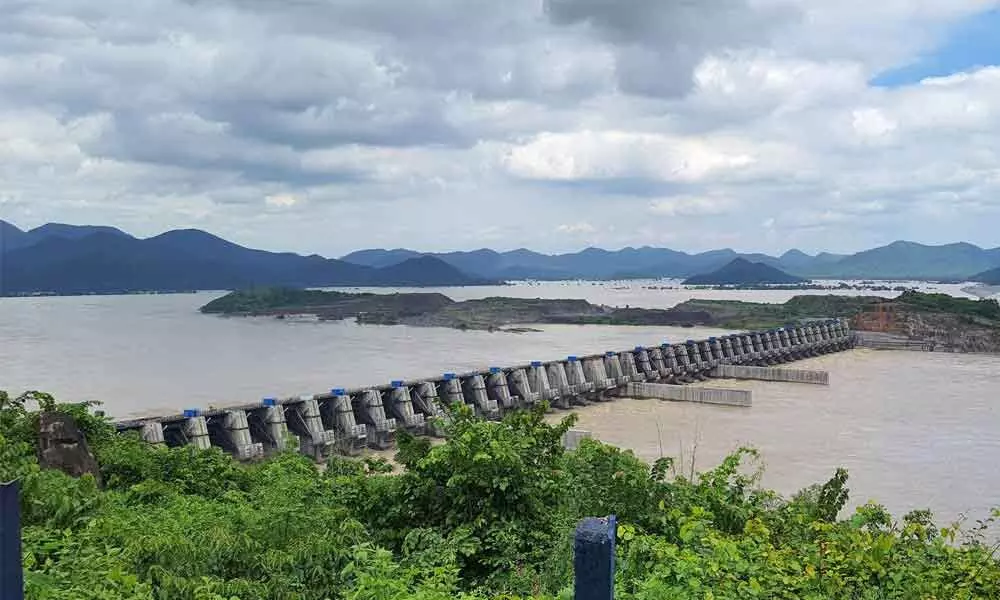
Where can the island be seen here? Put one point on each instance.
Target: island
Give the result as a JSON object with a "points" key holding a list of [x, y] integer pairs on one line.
{"points": [[951, 323]]}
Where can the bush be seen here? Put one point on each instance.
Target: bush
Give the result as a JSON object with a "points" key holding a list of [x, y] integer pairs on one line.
{"points": [[488, 514]]}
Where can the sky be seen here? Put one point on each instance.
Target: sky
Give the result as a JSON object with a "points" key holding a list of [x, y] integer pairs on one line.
{"points": [[332, 125]]}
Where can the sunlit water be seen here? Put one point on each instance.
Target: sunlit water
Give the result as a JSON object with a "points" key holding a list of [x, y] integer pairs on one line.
{"points": [[915, 430]]}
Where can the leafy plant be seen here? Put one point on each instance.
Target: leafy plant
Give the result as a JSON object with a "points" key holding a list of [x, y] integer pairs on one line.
{"points": [[489, 513]]}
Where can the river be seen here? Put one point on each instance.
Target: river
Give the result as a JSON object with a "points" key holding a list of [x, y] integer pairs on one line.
{"points": [[915, 430]]}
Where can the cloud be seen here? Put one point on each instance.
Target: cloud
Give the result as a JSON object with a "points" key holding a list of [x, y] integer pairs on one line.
{"points": [[581, 228], [690, 206], [443, 124], [281, 200]]}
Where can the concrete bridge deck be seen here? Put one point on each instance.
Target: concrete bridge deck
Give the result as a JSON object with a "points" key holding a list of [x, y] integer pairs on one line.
{"points": [[347, 420]]}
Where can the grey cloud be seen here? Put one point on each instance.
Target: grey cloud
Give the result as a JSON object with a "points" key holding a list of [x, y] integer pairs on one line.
{"points": [[170, 113], [660, 42]]}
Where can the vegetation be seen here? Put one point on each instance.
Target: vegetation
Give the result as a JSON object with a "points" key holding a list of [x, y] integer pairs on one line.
{"points": [[988, 309], [488, 514], [734, 314]]}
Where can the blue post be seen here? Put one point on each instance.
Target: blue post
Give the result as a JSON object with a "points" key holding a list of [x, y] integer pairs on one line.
{"points": [[11, 576], [594, 559]]}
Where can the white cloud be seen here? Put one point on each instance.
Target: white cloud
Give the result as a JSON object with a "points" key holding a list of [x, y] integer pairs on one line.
{"points": [[690, 206], [533, 119], [281, 200], [581, 228]]}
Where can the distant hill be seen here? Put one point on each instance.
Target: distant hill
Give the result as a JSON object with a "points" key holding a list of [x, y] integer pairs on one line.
{"points": [[991, 277], [380, 258], [12, 238], [106, 260], [899, 260], [906, 260], [743, 272], [63, 258]]}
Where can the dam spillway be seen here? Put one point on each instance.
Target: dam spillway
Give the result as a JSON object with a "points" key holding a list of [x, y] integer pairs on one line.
{"points": [[345, 421]]}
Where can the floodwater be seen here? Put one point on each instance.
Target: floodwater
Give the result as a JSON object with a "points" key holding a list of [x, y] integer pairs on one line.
{"points": [[915, 430]]}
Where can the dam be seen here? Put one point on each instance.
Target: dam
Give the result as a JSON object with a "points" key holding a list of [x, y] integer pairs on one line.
{"points": [[346, 421]]}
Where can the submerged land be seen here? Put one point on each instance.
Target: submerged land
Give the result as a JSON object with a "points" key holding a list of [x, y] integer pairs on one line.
{"points": [[954, 323]]}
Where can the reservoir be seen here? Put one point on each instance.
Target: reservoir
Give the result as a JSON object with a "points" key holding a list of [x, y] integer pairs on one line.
{"points": [[915, 430]]}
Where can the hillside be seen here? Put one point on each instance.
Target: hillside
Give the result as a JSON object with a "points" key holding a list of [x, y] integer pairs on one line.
{"points": [[991, 277], [908, 260], [743, 272], [69, 260], [899, 260]]}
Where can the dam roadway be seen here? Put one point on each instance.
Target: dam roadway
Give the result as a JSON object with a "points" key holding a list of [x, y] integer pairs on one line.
{"points": [[347, 420]]}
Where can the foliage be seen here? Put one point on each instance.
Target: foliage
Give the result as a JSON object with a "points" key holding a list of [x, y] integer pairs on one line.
{"points": [[943, 303], [268, 298], [487, 514]]}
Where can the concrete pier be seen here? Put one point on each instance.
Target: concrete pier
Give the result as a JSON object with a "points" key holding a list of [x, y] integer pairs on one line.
{"points": [[772, 374], [352, 436], [348, 420], [690, 393], [381, 429]]}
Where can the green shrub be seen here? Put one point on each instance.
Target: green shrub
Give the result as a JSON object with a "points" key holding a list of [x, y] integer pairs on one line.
{"points": [[488, 514]]}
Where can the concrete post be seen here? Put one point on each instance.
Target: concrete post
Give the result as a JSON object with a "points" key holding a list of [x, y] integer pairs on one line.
{"points": [[717, 354], [474, 388], [758, 345], [273, 417], [707, 355], [683, 361], [799, 342], [786, 343], [728, 353], [522, 385], [814, 344], [828, 335], [577, 379], [236, 428], [381, 429], [559, 381], [11, 572], [673, 365], [775, 344], [694, 354], [424, 397], [644, 365], [497, 389], [307, 422], [196, 430], [753, 348], [152, 433], [613, 367], [400, 407], [629, 367], [541, 382], [594, 559], [452, 390], [353, 437], [593, 371], [656, 362]]}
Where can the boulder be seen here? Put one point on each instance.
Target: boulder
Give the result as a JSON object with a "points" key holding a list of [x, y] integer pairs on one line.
{"points": [[62, 446]]}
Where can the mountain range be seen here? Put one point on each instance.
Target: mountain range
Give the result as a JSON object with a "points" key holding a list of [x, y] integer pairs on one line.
{"points": [[70, 259], [73, 259], [898, 260]]}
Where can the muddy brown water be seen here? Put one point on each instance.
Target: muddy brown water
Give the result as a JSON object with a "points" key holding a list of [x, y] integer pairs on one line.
{"points": [[914, 429]]}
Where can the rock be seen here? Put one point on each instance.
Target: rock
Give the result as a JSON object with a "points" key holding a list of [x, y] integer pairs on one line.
{"points": [[62, 446]]}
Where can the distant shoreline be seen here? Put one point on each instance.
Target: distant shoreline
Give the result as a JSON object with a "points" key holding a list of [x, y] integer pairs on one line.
{"points": [[876, 285]]}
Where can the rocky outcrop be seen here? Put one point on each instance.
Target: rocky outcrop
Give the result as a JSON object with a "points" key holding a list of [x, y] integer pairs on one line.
{"points": [[62, 446]]}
